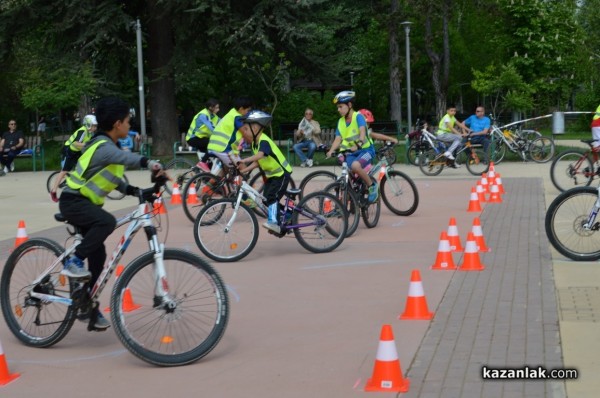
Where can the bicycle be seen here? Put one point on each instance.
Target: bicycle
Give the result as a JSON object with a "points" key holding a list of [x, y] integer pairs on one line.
{"points": [[528, 144], [183, 305], [571, 224], [226, 229], [418, 144], [114, 195], [573, 168], [433, 161]]}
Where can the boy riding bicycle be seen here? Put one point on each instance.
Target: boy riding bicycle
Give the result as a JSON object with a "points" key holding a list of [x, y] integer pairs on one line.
{"points": [[448, 134]]}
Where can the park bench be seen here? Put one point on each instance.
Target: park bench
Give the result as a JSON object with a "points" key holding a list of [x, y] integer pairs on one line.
{"points": [[33, 149]]}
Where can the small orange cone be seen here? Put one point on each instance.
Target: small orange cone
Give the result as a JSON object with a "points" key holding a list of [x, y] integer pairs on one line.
{"points": [[494, 195], [471, 260], [5, 376], [499, 183], [453, 237], [176, 195], [491, 176], [492, 167], [118, 272], [387, 374], [478, 234], [474, 202], [159, 207], [192, 197], [444, 258], [416, 303], [21, 234], [484, 182], [327, 205], [128, 304], [480, 193]]}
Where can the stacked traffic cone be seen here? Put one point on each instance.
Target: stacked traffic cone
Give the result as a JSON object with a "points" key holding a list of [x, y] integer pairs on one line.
{"points": [[192, 197], [478, 235], [499, 183], [453, 237], [176, 195], [492, 167], [494, 195], [474, 202], [416, 303], [480, 193], [21, 234], [159, 206], [491, 176], [387, 374], [471, 260], [484, 182], [5, 376], [444, 258]]}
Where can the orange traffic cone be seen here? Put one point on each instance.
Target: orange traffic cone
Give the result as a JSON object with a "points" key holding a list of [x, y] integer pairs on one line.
{"points": [[471, 260], [499, 183], [484, 182], [453, 237], [474, 202], [192, 197], [492, 167], [416, 303], [5, 376], [159, 207], [118, 272], [494, 195], [491, 176], [327, 205], [444, 258], [176, 195], [387, 374], [128, 304], [478, 234], [480, 193], [21, 234]]}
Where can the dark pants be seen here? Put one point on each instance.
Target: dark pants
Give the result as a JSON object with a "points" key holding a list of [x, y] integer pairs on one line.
{"points": [[7, 157], [480, 139], [201, 144], [275, 188], [96, 225]]}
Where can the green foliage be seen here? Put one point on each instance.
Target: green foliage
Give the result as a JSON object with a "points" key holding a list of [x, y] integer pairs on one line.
{"points": [[506, 88], [293, 104]]}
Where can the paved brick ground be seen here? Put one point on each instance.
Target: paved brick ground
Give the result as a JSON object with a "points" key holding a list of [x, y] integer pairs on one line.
{"points": [[504, 316]]}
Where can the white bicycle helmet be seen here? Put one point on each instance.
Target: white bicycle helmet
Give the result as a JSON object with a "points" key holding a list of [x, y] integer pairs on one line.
{"points": [[343, 97], [89, 121], [256, 116]]}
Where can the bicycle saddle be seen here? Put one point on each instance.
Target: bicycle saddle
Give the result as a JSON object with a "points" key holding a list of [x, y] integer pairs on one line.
{"points": [[59, 217], [293, 192], [589, 142]]}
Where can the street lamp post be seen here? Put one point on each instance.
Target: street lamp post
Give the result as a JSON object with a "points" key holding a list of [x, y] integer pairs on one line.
{"points": [[406, 25], [352, 79]]}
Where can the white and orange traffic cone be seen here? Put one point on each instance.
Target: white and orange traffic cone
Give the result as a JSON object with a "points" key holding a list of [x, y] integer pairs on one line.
{"points": [[474, 205], [444, 260], [176, 195], [159, 206], [499, 183], [484, 183], [494, 194], [5, 376], [21, 234], [492, 167], [416, 303], [478, 235], [471, 260], [480, 193], [192, 196], [453, 237], [387, 374]]}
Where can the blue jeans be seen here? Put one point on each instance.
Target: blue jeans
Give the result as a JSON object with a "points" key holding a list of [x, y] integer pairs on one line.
{"points": [[312, 147], [480, 139]]}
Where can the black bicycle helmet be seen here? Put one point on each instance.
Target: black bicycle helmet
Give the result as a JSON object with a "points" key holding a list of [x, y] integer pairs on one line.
{"points": [[343, 97], [256, 116]]}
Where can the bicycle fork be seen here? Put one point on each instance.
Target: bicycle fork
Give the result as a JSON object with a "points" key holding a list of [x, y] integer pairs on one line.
{"points": [[588, 225]]}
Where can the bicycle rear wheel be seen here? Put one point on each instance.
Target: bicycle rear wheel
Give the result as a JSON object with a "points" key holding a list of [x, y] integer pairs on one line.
{"points": [[323, 207], [541, 150], [428, 165], [316, 181], [477, 163], [399, 193], [50, 182], [350, 201], [181, 331], [208, 187], [497, 151], [564, 222], [117, 195], [220, 242], [180, 170], [571, 169], [35, 322]]}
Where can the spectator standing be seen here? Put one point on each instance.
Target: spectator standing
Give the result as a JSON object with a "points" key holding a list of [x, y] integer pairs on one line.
{"points": [[12, 143]]}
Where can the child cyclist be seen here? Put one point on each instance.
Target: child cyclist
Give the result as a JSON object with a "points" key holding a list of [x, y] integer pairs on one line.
{"points": [[351, 135], [99, 170], [269, 158]]}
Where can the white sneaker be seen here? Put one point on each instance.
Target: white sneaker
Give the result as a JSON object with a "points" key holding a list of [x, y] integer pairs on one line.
{"points": [[5, 170], [309, 163], [12, 167], [448, 155], [273, 226], [303, 164]]}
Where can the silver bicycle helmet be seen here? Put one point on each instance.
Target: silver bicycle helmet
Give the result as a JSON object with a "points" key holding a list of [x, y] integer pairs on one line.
{"points": [[343, 97], [89, 121], [256, 116]]}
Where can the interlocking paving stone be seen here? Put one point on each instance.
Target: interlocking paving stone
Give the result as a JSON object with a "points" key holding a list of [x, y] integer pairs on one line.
{"points": [[504, 316]]}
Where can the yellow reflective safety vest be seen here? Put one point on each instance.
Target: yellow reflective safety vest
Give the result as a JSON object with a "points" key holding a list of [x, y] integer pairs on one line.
{"points": [[87, 135], [351, 133], [442, 126], [100, 184], [274, 164], [203, 131], [220, 137]]}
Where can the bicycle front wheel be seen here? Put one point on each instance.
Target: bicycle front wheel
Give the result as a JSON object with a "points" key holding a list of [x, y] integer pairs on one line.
{"points": [[497, 151], [564, 222], [35, 322], [207, 187], [428, 163], [220, 241], [51, 181], [316, 181], [571, 169], [327, 221], [370, 211], [117, 195], [541, 149], [175, 330], [399, 193], [477, 163], [413, 152]]}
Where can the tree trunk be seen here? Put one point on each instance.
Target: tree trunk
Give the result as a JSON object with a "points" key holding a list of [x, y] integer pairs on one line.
{"points": [[436, 66], [395, 91], [163, 114]]}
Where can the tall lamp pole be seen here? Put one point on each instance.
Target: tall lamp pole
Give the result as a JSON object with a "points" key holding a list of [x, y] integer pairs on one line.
{"points": [[140, 63], [406, 25], [352, 80]]}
